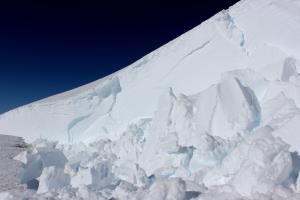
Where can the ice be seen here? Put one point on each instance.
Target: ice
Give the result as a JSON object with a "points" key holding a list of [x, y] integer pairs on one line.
{"points": [[262, 170], [37, 159], [249, 78], [245, 112], [173, 189], [52, 178], [214, 114], [214, 140], [288, 132], [278, 111], [298, 185], [223, 140], [283, 69], [229, 29], [289, 69], [244, 36]]}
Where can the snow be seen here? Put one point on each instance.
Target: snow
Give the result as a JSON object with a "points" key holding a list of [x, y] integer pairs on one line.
{"points": [[244, 36], [214, 114], [10, 146]]}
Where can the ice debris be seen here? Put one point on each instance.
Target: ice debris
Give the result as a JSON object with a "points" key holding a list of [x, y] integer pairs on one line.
{"points": [[223, 140]]}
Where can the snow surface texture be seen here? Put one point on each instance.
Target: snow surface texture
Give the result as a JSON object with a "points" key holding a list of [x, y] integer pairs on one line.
{"points": [[10, 146], [214, 114]]}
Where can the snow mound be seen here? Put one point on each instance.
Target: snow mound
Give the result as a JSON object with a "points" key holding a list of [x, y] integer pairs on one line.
{"points": [[194, 147], [214, 114]]}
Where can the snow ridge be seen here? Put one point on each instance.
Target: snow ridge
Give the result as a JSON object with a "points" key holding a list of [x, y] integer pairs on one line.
{"points": [[214, 114]]}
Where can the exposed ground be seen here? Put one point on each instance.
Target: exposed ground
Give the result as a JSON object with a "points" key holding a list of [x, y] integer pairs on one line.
{"points": [[10, 146]]}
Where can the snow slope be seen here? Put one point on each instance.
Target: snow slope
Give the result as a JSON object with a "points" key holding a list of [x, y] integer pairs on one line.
{"points": [[254, 34], [213, 114]]}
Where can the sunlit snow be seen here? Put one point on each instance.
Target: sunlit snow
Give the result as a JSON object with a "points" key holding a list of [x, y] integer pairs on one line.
{"points": [[214, 114]]}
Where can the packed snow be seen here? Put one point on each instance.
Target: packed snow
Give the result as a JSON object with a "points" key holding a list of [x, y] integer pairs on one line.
{"points": [[10, 146], [214, 114]]}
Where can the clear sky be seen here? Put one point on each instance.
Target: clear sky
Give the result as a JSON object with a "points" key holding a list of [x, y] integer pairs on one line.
{"points": [[47, 47]]}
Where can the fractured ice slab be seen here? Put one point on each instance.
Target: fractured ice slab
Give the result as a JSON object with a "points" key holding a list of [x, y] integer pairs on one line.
{"points": [[37, 159], [289, 69], [180, 128], [168, 127], [52, 178], [239, 104], [215, 140]]}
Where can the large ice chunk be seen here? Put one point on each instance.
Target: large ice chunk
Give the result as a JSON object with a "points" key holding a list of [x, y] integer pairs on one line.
{"points": [[289, 132], [173, 189], [289, 69], [262, 160], [239, 104], [39, 158], [52, 178]]}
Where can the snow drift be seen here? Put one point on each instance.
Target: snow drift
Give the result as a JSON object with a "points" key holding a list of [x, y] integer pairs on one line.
{"points": [[214, 114]]}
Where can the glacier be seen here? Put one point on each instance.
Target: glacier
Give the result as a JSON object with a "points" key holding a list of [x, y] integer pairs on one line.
{"points": [[213, 114]]}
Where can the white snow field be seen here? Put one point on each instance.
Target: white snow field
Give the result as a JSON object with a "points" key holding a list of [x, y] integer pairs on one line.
{"points": [[214, 114]]}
